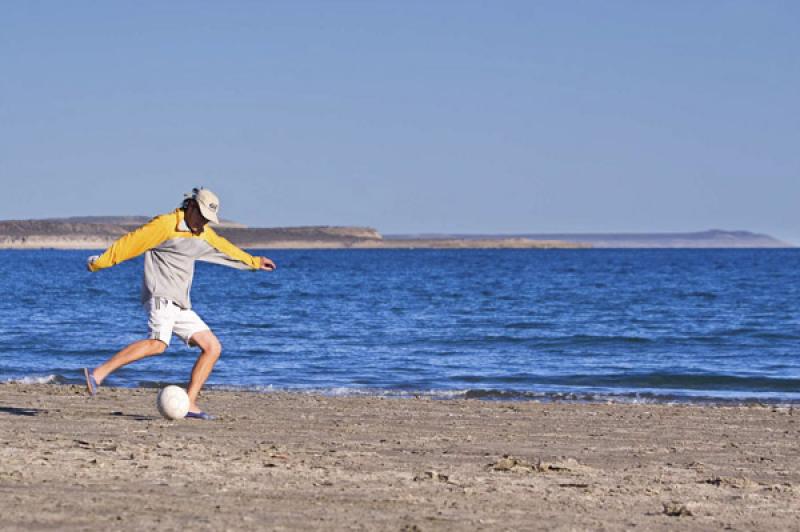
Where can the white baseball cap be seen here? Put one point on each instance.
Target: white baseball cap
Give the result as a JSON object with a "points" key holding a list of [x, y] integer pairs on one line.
{"points": [[208, 203]]}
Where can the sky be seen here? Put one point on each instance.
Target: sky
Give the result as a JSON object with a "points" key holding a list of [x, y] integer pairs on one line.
{"points": [[410, 117]]}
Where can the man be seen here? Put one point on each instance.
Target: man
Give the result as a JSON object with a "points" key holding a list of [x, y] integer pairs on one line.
{"points": [[171, 244]]}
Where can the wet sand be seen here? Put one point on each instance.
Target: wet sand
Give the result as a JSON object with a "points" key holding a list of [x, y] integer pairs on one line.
{"points": [[303, 462]]}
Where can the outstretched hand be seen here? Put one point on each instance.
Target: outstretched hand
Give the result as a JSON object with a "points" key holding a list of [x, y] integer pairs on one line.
{"points": [[266, 264]]}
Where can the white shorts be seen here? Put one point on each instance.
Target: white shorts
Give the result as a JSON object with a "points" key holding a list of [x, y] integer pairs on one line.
{"points": [[167, 318]]}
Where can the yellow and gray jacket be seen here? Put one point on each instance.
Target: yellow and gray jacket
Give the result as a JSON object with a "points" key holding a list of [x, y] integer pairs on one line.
{"points": [[170, 251]]}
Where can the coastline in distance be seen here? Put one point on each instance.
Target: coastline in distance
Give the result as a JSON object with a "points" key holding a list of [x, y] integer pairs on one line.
{"points": [[95, 232]]}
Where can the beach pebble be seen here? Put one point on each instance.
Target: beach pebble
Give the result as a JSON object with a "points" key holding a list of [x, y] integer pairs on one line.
{"points": [[676, 509], [431, 475]]}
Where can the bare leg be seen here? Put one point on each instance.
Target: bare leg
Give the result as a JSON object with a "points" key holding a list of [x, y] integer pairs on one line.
{"points": [[132, 353], [211, 349]]}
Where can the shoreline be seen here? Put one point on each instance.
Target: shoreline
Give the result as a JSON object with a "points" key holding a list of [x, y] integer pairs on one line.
{"points": [[626, 397], [286, 461], [406, 245], [99, 232]]}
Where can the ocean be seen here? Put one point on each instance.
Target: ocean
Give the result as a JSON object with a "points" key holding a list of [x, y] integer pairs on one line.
{"points": [[554, 325]]}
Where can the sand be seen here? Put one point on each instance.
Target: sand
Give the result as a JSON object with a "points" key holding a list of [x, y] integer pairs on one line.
{"points": [[284, 461]]}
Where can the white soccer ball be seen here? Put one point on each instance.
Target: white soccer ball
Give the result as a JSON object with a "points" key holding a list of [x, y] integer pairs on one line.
{"points": [[173, 402]]}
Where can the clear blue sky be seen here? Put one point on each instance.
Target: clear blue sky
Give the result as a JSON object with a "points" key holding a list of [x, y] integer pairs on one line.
{"points": [[412, 116]]}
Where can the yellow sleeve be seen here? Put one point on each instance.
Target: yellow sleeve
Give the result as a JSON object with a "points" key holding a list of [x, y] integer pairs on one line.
{"points": [[136, 242], [230, 250]]}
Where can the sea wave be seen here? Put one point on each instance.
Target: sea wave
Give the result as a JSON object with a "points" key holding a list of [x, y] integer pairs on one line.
{"points": [[672, 396], [36, 379], [689, 382], [571, 395]]}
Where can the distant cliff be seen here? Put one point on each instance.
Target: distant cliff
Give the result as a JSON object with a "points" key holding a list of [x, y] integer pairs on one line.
{"points": [[100, 232], [312, 236], [32, 234]]}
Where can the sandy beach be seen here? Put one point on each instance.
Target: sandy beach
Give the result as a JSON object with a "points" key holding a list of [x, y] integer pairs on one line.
{"points": [[284, 461]]}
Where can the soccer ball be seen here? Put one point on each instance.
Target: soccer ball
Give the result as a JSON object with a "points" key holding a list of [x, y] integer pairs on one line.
{"points": [[173, 402]]}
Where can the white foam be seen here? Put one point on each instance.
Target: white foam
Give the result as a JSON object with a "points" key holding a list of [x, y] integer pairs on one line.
{"points": [[373, 392], [260, 388], [49, 379], [345, 391]]}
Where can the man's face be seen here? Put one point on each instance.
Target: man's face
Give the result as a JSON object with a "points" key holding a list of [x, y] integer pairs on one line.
{"points": [[194, 219]]}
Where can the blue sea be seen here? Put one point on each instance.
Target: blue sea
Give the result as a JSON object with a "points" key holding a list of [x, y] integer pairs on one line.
{"points": [[577, 325]]}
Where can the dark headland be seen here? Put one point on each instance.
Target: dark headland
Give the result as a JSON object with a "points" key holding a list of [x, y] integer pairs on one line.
{"points": [[100, 231]]}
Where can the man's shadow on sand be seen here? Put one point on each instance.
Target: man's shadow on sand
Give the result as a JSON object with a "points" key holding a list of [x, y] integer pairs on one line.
{"points": [[21, 411], [17, 411]]}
